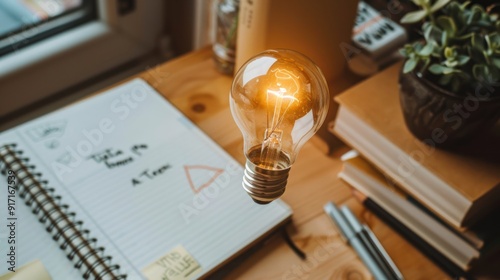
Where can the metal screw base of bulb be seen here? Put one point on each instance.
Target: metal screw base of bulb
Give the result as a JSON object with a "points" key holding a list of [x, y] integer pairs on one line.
{"points": [[264, 185]]}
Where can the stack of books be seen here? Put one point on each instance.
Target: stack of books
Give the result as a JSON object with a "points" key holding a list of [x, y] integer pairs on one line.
{"points": [[446, 202]]}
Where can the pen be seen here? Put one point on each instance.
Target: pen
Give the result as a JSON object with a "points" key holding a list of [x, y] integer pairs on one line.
{"points": [[353, 238], [434, 255], [373, 246], [383, 254]]}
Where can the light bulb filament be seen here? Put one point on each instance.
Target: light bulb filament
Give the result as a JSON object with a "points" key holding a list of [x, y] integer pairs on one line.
{"points": [[280, 94], [278, 112], [288, 87], [271, 149]]}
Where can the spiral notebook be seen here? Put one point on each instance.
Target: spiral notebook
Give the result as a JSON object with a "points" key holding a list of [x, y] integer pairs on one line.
{"points": [[122, 186]]}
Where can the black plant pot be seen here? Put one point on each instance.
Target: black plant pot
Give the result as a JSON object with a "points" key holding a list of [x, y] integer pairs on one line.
{"points": [[443, 119]]}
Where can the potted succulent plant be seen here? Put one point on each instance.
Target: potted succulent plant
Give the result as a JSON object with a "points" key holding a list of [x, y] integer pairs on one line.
{"points": [[449, 83]]}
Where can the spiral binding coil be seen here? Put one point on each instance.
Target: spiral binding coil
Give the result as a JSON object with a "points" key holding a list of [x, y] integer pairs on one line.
{"points": [[80, 248]]}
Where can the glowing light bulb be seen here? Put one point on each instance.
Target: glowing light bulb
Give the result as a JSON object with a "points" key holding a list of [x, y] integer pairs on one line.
{"points": [[278, 99]]}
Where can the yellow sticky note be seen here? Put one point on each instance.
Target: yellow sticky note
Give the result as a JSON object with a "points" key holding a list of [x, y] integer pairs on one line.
{"points": [[32, 270], [177, 264]]}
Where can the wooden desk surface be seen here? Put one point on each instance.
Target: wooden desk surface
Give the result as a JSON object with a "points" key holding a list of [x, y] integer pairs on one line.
{"points": [[192, 84]]}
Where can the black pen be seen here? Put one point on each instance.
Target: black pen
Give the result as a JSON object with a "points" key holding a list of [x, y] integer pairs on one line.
{"points": [[434, 255], [383, 254]]}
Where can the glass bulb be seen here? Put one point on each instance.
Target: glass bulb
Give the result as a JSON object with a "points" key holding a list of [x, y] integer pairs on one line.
{"points": [[278, 99]]}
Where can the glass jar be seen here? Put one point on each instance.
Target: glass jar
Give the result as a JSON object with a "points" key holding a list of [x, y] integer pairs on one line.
{"points": [[224, 47]]}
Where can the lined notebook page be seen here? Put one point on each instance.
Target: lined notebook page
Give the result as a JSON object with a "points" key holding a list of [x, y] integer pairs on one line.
{"points": [[32, 242], [145, 180]]}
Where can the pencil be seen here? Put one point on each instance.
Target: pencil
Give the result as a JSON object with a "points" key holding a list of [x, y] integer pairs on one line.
{"points": [[425, 248]]}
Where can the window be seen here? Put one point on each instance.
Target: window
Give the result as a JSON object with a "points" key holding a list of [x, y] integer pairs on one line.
{"points": [[24, 22], [51, 46]]}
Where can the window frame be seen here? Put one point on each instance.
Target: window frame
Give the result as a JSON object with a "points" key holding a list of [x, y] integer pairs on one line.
{"points": [[32, 33], [47, 67]]}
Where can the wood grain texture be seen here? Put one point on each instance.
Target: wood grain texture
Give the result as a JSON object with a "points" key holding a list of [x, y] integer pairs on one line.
{"points": [[192, 84]]}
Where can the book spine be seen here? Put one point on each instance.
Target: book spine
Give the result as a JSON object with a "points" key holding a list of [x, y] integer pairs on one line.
{"points": [[468, 236], [57, 217]]}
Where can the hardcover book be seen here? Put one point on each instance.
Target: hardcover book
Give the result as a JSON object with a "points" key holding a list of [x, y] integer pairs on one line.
{"points": [[460, 186], [463, 248]]}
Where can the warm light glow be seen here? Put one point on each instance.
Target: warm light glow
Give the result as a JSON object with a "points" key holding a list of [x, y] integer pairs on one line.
{"points": [[279, 99], [280, 96]]}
